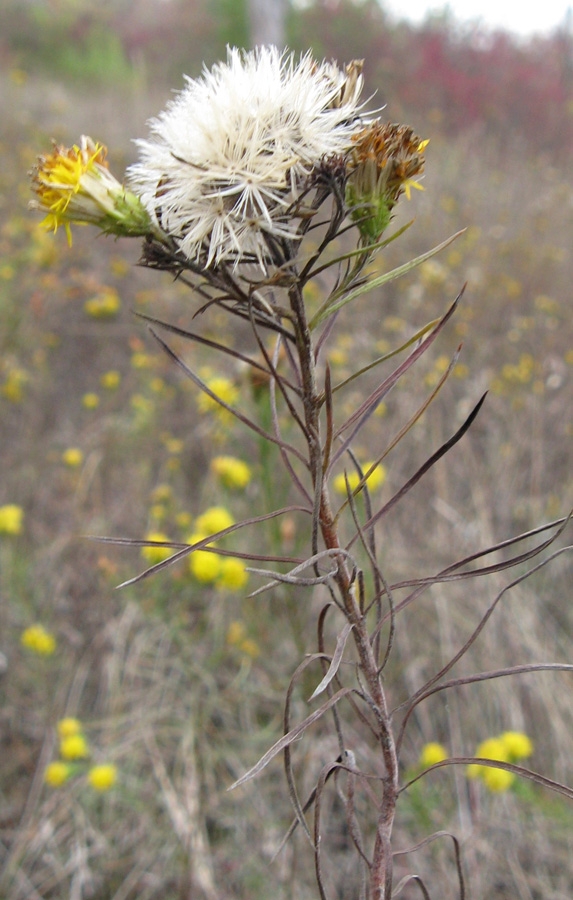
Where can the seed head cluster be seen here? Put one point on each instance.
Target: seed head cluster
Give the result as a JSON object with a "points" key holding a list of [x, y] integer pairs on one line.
{"points": [[229, 157]]}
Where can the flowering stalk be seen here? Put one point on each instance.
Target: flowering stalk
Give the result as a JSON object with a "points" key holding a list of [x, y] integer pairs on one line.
{"points": [[228, 187]]}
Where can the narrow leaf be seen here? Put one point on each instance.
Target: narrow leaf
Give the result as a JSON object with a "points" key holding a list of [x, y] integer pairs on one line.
{"points": [[288, 739], [335, 663], [382, 279]]}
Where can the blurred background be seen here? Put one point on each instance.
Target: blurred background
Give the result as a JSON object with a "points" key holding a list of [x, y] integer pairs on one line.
{"points": [[179, 680]]}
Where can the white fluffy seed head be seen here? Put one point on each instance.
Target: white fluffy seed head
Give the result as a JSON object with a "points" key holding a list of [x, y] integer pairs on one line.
{"points": [[227, 157]]}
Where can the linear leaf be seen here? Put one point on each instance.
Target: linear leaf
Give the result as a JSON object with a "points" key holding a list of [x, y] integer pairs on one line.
{"points": [[288, 739]]}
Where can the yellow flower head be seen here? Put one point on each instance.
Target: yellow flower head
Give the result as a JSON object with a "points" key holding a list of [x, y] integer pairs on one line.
{"points": [[104, 305], [38, 640], [110, 380], [155, 554], [68, 727], [103, 777], [90, 400], [11, 517], [232, 574], [57, 773], [431, 754], [74, 185], [382, 165], [497, 780], [517, 744], [74, 746], [232, 472], [222, 388], [493, 748], [72, 457], [374, 481], [214, 519], [203, 565]]}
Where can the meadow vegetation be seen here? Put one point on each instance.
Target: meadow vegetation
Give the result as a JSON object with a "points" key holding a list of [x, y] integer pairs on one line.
{"points": [[176, 683]]}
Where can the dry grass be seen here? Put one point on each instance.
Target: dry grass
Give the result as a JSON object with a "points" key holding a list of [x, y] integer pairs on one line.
{"points": [[149, 670]]}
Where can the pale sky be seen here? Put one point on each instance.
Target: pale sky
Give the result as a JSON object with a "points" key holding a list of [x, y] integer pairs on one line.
{"points": [[522, 16]]}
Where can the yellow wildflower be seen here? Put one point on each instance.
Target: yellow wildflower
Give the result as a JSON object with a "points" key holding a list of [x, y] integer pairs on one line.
{"points": [[11, 516], [233, 574], [38, 640], [68, 727], [90, 400], [74, 185], [74, 746], [162, 493], [72, 457], [155, 554], [203, 565], [13, 387], [57, 773], [493, 748], [103, 777], [214, 519], [497, 780], [110, 380], [431, 754], [234, 473], [221, 387], [517, 744], [104, 305], [375, 480]]}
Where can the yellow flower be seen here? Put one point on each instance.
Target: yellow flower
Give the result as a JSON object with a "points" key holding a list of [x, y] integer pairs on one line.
{"points": [[204, 566], [232, 574], [90, 400], [497, 780], [11, 517], [234, 473], [431, 754], [57, 773], [493, 748], [214, 519], [517, 744], [38, 640], [162, 493], [155, 554], [74, 185], [382, 165], [68, 727], [223, 388], [375, 480], [141, 360], [103, 306], [72, 457], [74, 746], [173, 445], [13, 387], [110, 380], [103, 777], [496, 748]]}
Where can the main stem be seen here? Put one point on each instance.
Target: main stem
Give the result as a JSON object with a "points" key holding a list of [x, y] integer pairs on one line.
{"points": [[381, 868]]}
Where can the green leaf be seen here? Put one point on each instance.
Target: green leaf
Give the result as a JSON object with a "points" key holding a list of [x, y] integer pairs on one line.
{"points": [[378, 282]]}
